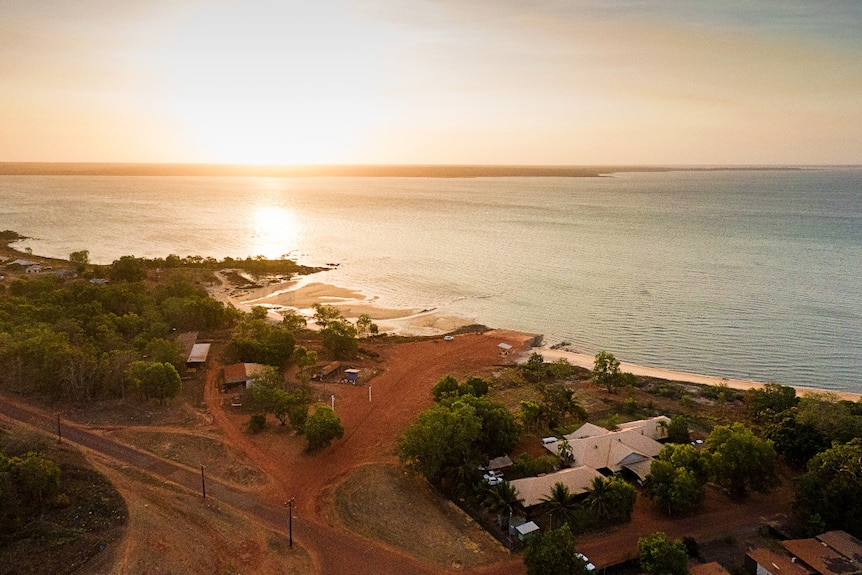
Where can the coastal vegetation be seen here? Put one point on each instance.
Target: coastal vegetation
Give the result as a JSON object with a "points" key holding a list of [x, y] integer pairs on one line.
{"points": [[66, 340]]}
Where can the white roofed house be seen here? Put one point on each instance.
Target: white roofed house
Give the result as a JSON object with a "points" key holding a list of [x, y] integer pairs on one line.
{"points": [[532, 491], [631, 447]]}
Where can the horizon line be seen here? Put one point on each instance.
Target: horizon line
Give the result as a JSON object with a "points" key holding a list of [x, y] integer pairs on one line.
{"points": [[368, 170]]}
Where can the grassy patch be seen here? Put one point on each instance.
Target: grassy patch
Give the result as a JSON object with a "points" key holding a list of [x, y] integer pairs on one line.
{"points": [[382, 502], [193, 450]]}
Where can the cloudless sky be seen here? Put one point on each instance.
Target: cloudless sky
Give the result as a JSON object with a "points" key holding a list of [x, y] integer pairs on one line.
{"points": [[432, 81]]}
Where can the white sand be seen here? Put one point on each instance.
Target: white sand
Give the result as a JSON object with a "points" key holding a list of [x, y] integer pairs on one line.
{"points": [[299, 296], [587, 361]]}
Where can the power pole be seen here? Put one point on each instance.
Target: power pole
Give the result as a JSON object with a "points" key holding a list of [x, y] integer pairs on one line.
{"points": [[59, 433], [203, 482]]}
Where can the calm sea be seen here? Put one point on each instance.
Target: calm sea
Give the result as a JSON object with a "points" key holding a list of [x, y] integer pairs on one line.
{"points": [[741, 274]]}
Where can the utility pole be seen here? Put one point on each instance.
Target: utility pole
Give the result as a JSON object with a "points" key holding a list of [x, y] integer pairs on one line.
{"points": [[290, 521], [59, 433], [333, 403], [203, 482], [369, 394]]}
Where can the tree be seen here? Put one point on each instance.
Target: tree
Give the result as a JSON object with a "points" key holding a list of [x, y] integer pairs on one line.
{"points": [[441, 439], [832, 488], [128, 269], [677, 430], [611, 499], [157, 380], [339, 339], [530, 413], [561, 503], [501, 499], [534, 368], [322, 427], [606, 370], [499, 430], [764, 403], [476, 385], [365, 327], [165, 351], [446, 386], [559, 401], [673, 489], [325, 314], [80, 259], [659, 555], [796, 442], [740, 459], [553, 553]]}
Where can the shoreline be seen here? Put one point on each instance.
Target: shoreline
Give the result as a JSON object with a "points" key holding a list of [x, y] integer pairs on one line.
{"points": [[301, 293]]}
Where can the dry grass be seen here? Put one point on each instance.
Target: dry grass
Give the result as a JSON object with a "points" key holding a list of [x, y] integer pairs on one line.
{"points": [[173, 531], [220, 460], [382, 502]]}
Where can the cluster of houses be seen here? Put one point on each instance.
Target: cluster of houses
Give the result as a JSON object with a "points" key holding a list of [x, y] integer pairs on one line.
{"points": [[830, 553]]}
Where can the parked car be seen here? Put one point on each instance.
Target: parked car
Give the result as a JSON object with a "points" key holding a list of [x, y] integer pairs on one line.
{"points": [[492, 478], [582, 557]]}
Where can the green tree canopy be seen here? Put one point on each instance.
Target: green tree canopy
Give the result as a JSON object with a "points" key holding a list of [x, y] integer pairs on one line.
{"points": [[659, 555], [561, 503], [764, 403], [606, 370], [740, 459], [832, 487], [553, 553], [339, 339], [322, 427], [442, 439], [156, 380]]}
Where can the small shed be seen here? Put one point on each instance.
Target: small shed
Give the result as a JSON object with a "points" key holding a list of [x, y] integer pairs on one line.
{"points": [[505, 348], [198, 355], [351, 375], [525, 531], [329, 369]]}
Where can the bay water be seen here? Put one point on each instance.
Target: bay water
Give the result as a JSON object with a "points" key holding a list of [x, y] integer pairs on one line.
{"points": [[751, 274]]}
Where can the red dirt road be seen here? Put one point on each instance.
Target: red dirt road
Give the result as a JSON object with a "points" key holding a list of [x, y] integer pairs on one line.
{"points": [[398, 395]]}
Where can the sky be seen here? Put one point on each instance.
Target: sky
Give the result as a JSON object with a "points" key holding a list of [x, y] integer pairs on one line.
{"points": [[546, 82]]}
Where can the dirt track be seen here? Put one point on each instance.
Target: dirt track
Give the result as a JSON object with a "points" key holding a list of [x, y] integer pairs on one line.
{"points": [[399, 393]]}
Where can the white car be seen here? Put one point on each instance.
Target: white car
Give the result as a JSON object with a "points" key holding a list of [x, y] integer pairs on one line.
{"points": [[582, 557], [491, 478]]}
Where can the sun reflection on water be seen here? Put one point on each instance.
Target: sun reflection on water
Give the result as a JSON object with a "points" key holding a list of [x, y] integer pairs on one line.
{"points": [[276, 231]]}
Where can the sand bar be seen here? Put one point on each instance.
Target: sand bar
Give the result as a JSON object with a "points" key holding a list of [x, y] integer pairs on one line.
{"points": [[300, 295]]}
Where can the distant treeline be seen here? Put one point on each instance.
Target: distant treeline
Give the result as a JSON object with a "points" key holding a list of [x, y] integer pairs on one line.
{"points": [[377, 171]]}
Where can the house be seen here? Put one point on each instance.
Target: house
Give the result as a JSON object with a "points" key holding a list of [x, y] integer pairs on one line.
{"points": [[499, 464], [631, 447], [762, 561], [240, 374], [820, 557], [711, 568], [844, 543], [533, 490]]}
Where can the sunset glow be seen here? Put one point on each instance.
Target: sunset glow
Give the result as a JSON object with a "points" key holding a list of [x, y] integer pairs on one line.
{"points": [[431, 82]]}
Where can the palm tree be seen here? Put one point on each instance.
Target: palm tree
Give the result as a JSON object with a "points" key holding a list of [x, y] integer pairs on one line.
{"points": [[501, 499], [564, 450], [599, 498], [561, 504]]}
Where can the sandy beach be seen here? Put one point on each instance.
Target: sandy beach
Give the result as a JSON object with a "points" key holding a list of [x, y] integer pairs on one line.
{"points": [[587, 361], [300, 295]]}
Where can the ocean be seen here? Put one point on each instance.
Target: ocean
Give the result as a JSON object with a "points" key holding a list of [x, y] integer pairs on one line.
{"points": [[749, 274]]}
